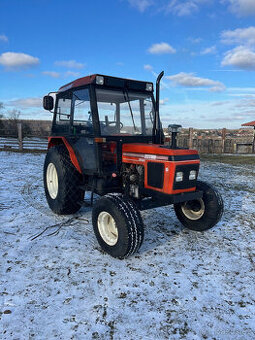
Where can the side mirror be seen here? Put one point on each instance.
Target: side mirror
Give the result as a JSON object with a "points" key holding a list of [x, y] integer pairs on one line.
{"points": [[48, 103]]}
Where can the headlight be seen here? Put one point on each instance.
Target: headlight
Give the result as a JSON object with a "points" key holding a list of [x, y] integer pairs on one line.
{"points": [[148, 87], [192, 175], [100, 80], [179, 176]]}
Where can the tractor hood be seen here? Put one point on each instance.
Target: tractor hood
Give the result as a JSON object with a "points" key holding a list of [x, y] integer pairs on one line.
{"points": [[158, 152]]}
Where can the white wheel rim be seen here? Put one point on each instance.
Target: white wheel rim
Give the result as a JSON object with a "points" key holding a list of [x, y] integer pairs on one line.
{"points": [[194, 213], [107, 228], [52, 180]]}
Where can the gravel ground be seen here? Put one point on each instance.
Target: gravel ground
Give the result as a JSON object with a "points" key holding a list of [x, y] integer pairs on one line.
{"points": [[181, 285]]}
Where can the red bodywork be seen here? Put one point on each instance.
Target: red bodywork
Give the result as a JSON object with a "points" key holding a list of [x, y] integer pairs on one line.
{"points": [[144, 153], [78, 82], [140, 154], [52, 141]]}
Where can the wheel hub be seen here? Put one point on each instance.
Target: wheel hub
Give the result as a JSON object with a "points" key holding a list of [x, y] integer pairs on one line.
{"points": [[107, 228], [193, 210], [52, 180]]}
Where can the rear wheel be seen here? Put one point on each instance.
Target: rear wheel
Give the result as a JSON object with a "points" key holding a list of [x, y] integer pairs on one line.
{"points": [[203, 213], [118, 225], [62, 182]]}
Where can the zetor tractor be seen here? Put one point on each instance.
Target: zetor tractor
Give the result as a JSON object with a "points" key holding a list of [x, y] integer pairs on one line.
{"points": [[107, 139]]}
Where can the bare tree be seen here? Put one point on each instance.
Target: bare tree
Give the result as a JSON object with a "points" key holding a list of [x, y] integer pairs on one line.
{"points": [[1, 110], [13, 114]]}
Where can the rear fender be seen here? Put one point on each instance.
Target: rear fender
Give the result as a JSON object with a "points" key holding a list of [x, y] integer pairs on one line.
{"points": [[52, 141]]}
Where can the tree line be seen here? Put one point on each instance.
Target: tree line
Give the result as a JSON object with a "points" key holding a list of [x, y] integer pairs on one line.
{"points": [[10, 118]]}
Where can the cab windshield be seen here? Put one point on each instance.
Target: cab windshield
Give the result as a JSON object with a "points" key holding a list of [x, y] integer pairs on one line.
{"points": [[123, 112]]}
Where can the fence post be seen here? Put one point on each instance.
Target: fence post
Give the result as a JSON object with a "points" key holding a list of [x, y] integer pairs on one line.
{"points": [[190, 138], [253, 142], [223, 139], [19, 126]]}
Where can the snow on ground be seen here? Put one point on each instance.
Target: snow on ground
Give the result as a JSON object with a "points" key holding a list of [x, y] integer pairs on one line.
{"points": [[181, 285]]}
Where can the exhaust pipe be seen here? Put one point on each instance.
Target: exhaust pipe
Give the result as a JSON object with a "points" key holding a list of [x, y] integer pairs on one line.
{"points": [[158, 136], [158, 90]]}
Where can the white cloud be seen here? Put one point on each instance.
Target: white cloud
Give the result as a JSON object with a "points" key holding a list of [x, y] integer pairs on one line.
{"points": [[26, 102], [69, 64], [209, 50], [182, 8], [71, 74], [141, 5], [240, 57], [247, 103], [12, 60], [241, 7], [148, 67], [52, 74], [191, 80], [3, 38], [163, 101], [185, 8], [214, 114], [195, 40], [219, 88], [66, 74], [161, 48], [244, 36]]}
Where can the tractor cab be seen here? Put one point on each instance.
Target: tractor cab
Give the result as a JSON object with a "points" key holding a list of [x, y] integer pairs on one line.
{"points": [[98, 114]]}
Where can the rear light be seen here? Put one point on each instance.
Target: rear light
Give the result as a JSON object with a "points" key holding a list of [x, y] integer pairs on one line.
{"points": [[100, 80], [179, 176], [192, 175]]}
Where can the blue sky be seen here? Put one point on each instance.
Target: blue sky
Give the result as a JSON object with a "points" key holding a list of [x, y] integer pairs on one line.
{"points": [[205, 47]]}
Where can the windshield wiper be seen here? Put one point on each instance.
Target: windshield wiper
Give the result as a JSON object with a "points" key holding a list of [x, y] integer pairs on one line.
{"points": [[126, 97]]}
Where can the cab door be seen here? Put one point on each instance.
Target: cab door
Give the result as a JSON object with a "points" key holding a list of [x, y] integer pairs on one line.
{"points": [[82, 132]]}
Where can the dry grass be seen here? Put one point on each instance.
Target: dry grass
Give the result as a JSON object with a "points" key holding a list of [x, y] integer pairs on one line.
{"points": [[230, 159]]}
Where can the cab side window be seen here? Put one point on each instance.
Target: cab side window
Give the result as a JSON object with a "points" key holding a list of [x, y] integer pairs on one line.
{"points": [[63, 113], [82, 117]]}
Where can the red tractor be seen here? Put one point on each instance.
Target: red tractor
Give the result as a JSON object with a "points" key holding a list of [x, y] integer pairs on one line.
{"points": [[107, 139]]}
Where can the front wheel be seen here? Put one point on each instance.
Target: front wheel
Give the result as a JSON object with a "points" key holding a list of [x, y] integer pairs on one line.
{"points": [[203, 213], [118, 225]]}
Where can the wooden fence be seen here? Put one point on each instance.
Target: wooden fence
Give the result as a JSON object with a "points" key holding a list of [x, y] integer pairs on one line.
{"points": [[18, 142], [222, 143], [219, 144]]}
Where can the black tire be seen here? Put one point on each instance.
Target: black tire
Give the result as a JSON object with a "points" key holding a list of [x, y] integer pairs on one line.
{"points": [[69, 195], [210, 208], [128, 222]]}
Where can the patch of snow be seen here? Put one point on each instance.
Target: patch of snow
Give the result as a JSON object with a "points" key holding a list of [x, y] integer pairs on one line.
{"points": [[181, 285]]}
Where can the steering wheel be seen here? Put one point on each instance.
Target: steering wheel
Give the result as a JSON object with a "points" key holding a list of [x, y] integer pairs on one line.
{"points": [[115, 122], [107, 128]]}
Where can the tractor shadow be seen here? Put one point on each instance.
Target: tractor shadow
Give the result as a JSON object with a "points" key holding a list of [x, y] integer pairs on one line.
{"points": [[160, 227]]}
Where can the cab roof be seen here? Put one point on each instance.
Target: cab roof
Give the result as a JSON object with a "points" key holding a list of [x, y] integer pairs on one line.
{"points": [[107, 81]]}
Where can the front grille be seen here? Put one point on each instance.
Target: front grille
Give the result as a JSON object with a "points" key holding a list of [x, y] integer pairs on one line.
{"points": [[186, 183], [155, 174]]}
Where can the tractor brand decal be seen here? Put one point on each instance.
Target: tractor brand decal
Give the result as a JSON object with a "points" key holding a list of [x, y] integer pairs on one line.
{"points": [[131, 159], [145, 156], [150, 156]]}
